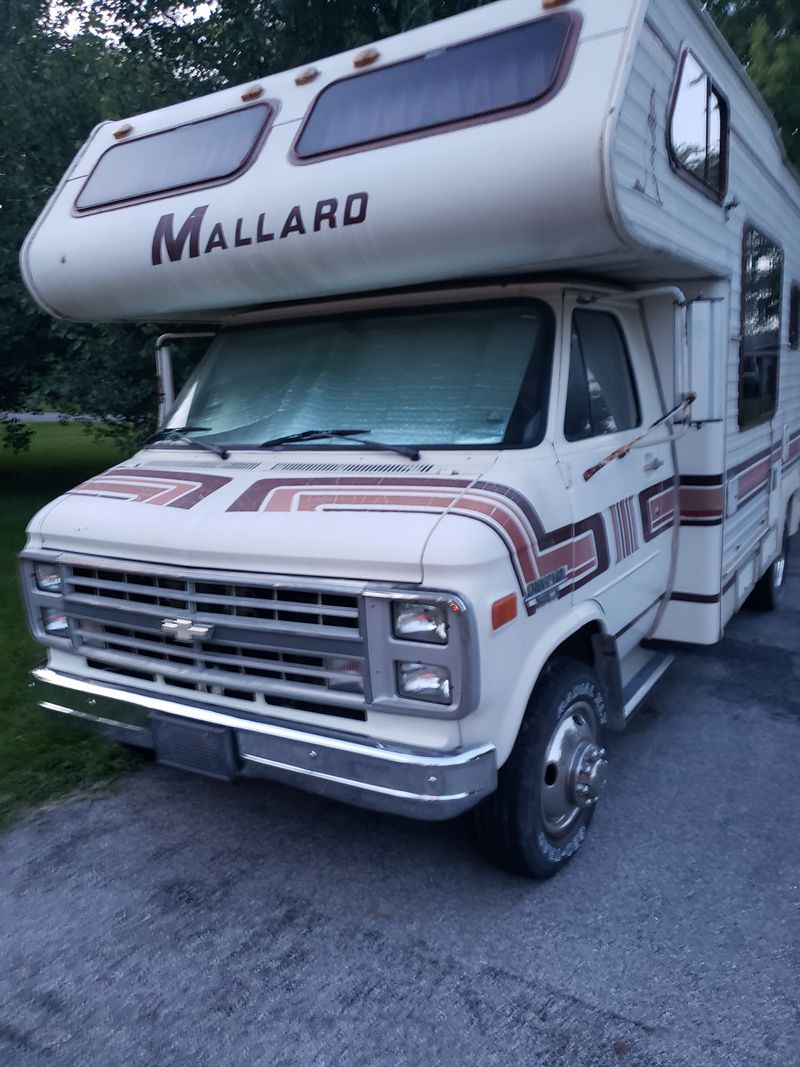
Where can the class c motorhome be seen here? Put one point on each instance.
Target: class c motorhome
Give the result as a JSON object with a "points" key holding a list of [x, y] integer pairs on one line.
{"points": [[504, 395]]}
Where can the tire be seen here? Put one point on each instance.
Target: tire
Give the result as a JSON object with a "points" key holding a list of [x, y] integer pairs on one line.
{"points": [[768, 591], [547, 790]]}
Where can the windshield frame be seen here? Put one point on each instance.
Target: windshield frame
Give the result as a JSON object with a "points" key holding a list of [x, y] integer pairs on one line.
{"points": [[544, 347]]}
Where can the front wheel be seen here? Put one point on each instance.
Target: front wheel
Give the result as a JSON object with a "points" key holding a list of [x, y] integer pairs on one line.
{"points": [[547, 790], [768, 591]]}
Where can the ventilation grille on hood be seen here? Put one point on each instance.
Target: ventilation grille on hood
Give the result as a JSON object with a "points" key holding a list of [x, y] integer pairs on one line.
{"points": [[211, 465], [356, 468]]}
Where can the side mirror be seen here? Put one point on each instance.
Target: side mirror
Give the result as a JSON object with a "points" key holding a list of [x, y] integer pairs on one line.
{"points": [[700, 360]]}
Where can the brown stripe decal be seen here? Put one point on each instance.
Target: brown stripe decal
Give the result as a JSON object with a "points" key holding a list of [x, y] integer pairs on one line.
{"points": [[639, 617], [174, 489], [702, 500], [657, 506], [696, 598], [580, 550]]}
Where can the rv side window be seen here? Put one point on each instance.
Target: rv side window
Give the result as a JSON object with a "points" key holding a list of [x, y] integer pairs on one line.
{"points": [[463, 82], [209, 150], [794, 316], [601, 395], [699, 128], [762, 280]]}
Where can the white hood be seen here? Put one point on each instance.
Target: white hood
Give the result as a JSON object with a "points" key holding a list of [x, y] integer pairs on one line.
{"points": [[309, 518]]}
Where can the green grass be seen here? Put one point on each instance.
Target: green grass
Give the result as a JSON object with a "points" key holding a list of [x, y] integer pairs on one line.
{"points": [[40, 759]]}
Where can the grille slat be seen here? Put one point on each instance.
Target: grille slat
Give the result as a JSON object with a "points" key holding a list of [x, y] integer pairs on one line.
{"points": [[234, 658], [217, 680], [274, 644]]}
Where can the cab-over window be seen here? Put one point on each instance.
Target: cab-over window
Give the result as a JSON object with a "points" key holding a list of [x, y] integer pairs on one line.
{"points": [[698, 129]]}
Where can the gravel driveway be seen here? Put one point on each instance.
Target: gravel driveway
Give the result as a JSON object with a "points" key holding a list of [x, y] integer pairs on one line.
{"points": [[182, 922]]}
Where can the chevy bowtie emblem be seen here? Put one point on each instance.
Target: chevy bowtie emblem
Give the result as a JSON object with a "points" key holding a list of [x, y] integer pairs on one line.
{"points": [[185, 630]]}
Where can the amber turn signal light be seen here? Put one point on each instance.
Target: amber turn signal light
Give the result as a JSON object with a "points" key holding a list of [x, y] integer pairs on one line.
{"points": [[504, 610]]}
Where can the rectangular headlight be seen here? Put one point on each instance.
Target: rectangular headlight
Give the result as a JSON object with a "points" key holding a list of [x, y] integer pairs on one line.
{"points": [[48, 577], [54, 622], [425, 681], [414, 621]]}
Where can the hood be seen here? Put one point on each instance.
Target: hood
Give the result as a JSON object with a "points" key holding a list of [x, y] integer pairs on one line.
{"points": [[301, 518]]}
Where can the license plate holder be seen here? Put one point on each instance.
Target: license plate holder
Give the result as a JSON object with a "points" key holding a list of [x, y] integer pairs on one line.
{"points": [[203, 748]]}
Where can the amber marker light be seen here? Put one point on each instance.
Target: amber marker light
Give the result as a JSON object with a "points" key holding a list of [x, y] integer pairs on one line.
{"points": [[504, 610], [548, 4], [365, 57], [252, 93], [306, 76], [123, 131]]}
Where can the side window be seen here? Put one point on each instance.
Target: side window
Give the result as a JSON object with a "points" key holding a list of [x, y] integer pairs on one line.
{"points": [[698, 129], [794, 316], [762, 281], [601, 395]]}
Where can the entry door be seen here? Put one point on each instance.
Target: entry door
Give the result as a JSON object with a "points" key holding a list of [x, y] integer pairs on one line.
{"points": [[624, 514]]}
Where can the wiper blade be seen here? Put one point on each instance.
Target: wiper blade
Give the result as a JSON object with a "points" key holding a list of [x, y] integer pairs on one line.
{"points": [[181, 433], [409, 451], [308, 435]]}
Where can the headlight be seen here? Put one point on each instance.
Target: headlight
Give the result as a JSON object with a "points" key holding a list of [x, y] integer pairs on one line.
{"points": [[420, 622], [54, 622], [424, 681], [48, 577]]}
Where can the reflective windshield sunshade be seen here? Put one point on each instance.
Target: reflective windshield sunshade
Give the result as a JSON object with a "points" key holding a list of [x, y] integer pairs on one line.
{"points": [[510, 69], [208, 150], [472, 375]]}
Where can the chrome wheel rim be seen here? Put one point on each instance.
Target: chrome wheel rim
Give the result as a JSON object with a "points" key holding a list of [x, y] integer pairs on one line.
{"points": [[573, 771], [778, 571]]}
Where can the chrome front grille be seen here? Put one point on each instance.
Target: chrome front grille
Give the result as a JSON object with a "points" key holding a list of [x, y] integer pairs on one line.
{"points": [[274, 644]]}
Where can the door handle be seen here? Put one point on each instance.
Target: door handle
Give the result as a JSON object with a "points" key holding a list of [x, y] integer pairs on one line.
{"points": [[652, 463]]}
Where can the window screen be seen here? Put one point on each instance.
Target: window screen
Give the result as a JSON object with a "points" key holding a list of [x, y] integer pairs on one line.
{"points": [[193, 154], [601, 395], [762, 280], [699, 127], [794, 316], [465, 81]]}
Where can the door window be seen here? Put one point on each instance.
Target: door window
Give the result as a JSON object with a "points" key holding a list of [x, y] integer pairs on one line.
{"points": [[601, 393]]}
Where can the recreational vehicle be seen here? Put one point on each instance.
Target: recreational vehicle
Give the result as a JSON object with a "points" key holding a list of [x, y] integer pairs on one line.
{"points": [[503, 397]]}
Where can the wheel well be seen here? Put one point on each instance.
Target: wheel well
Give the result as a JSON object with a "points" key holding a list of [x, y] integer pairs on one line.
{"points": [[579, 645]]}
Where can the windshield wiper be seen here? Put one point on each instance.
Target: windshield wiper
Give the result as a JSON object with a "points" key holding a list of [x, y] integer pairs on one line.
{"points": [[409, 451], [181, 433]]}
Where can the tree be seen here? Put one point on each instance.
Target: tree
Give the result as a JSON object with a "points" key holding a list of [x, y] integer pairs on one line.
{"points": [[129, 56], [765, 34]]}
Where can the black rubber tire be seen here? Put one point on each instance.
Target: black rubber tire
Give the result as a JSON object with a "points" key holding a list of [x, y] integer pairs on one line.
{"points": [[509, 823], [768, 591]]}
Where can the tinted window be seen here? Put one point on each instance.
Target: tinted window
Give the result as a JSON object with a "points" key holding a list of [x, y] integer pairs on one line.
{"points": [[505, 70], [794, 317], [198, 152], [601, 396], [441, 376], [762, 281], [699, 127]]}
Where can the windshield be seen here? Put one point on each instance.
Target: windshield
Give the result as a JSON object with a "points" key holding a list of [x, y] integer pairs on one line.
{"points": [[456, 376]]}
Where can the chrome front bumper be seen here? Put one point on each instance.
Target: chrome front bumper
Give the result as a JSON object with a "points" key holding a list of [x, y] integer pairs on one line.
{"points": [[421, 785]]}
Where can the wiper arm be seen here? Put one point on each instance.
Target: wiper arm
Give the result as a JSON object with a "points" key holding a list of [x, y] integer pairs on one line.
{"points": [[181, 433], [409, 451]]}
